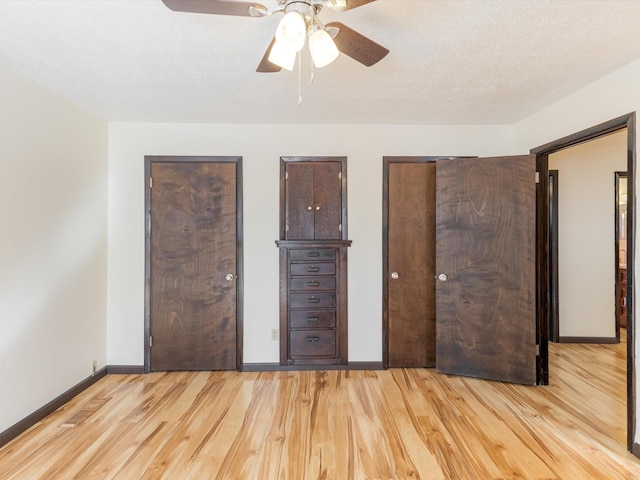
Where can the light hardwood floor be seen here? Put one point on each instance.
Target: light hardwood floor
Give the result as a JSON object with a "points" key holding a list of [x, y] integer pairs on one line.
{"points": [[400, 423]]}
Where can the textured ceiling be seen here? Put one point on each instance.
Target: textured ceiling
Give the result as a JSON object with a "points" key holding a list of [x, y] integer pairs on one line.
{"points": [[451, 62]]}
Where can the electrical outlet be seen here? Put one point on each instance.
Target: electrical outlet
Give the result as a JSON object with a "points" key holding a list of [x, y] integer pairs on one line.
{"points": [[94, 367], [275, 334]]}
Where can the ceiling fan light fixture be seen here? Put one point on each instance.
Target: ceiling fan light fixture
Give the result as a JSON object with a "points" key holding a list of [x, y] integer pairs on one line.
{"points": [[292, 32], [282, 56], [323, 48]]}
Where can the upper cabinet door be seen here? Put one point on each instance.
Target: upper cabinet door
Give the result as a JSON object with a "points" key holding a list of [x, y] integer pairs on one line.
{"points": [[313, 194], [485, 262], [327, 201], [299, 202]]}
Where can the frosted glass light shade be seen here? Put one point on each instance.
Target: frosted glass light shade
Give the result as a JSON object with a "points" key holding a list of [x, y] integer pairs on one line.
{"points": [[323, 48], [291, 32], [282, 56]]}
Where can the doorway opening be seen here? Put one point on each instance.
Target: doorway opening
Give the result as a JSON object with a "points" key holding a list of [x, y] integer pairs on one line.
{"points": [[582, 248], [542, 153]]}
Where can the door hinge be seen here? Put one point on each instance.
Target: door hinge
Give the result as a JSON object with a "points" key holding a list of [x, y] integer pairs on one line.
{"points": [[150, 341], [340, 175], [537, 349], [150, 182], [340, 227], [286, 227], [537, 177], [286, 175]]}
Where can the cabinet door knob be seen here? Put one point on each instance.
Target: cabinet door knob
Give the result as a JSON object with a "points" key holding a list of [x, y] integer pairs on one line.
{"points": [[309, 208], [230, 277], [318, 207], [443, 277], [395, 275]]}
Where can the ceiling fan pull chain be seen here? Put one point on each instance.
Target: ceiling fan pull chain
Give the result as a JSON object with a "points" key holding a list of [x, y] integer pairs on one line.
{"points": [[313, 71], [313, 22], [299, 79]]}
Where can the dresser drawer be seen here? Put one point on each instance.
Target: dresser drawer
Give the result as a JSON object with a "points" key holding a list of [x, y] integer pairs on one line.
{"points": [[312, 300], [313, 254], [312, 343], [311, 319], [313, 283], [299, 269]]}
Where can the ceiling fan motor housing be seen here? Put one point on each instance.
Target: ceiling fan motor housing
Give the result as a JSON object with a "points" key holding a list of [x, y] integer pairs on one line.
{"points": [[303, 7]]}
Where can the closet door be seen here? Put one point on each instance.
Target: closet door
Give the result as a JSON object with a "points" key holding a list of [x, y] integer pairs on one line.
{"points": [[486, 266], [193, 264], [483, 303], [409, 282]]}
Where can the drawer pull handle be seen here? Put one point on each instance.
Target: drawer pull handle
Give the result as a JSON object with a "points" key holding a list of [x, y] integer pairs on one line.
{"points": [[313, 284], [313, 269], [314, 300], [313, 254], [313, 339], [313, 319]]}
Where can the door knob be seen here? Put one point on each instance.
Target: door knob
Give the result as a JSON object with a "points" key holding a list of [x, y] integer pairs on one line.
{"points": [[395, 275], [229, 277], [318, 207], [309, 208], [443, 277]]}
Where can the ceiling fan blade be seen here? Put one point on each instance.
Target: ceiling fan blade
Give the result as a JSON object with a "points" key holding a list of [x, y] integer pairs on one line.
{"points": [[357, 46], [265, 65], [351, 4], [217, 7]]}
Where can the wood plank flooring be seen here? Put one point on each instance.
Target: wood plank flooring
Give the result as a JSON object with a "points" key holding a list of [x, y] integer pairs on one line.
{"points": [[395, 424]]}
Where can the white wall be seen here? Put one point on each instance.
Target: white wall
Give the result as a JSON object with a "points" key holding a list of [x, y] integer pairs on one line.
{"points": [[614, 95], [53, 255], [261, 147], [586, 234]]}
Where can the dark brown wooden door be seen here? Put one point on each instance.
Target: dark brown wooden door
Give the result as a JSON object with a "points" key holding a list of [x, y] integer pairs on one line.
{"points": [[300, 201], [313, 201], [328, 201], [193, 266], [486, 233], [411, 264]]}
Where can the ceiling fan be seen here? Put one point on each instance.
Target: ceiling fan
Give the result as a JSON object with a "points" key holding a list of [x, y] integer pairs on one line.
{"points": [[299, 23]]}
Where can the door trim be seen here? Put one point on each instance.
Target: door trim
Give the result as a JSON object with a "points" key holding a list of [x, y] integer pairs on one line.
{"points": [[542, 153], [148, 161], [554, 300]]}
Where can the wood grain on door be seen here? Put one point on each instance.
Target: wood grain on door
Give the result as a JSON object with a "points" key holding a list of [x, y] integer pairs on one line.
{"points": [[193, 266]]}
